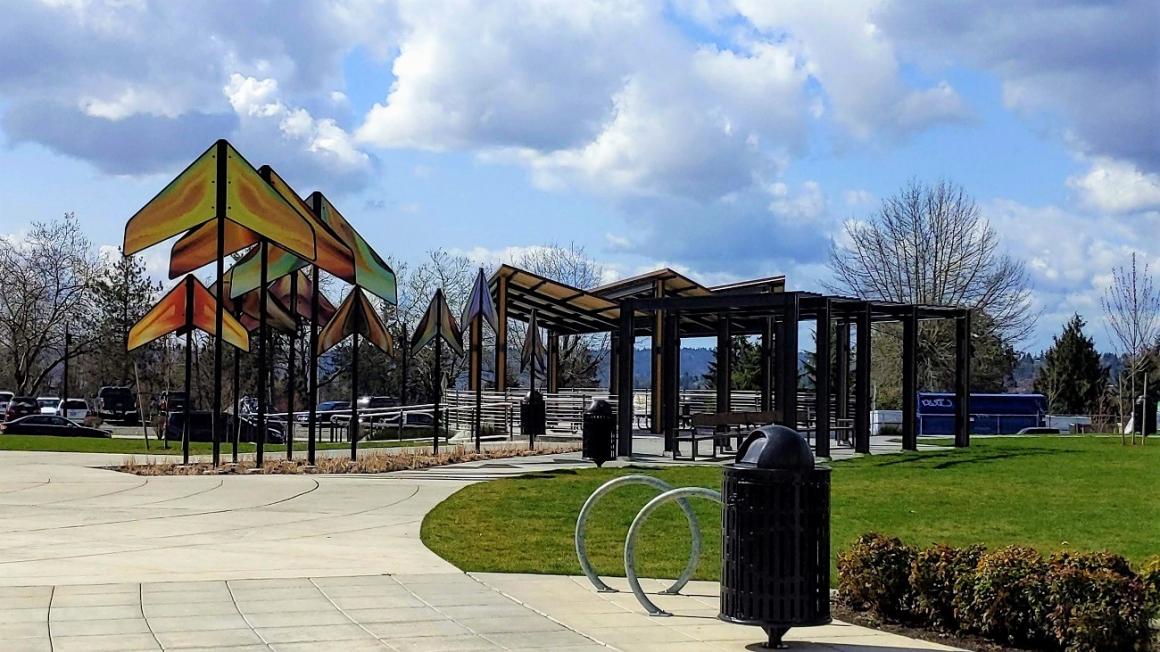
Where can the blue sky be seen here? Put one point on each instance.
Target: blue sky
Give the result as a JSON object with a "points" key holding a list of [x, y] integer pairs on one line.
{"points": [[725, 138]]}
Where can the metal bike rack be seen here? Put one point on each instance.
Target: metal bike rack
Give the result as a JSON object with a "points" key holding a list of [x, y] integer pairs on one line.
{"points": [[669, 493], [582, 521], [634, 530]]}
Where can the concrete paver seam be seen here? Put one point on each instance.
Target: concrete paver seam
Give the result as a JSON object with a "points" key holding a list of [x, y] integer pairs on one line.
{"points": [[38, 484], [108, 493], [541, 613], [448, 616], [348, 616], [196, 493], [249, 624], [164, 516], [48, 617], [141, 606]]}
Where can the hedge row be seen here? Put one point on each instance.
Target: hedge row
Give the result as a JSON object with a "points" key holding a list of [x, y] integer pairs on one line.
{"points": [[1069, 601]]}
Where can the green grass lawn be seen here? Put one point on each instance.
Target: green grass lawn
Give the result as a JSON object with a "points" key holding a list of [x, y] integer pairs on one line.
{"points": [[137, 446], [1082, 493]]}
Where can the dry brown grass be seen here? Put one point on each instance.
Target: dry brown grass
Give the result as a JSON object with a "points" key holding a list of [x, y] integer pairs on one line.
{"points": [[377, 461]]}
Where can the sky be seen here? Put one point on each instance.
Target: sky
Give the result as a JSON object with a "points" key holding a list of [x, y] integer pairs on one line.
{"points": [[728, 139]]}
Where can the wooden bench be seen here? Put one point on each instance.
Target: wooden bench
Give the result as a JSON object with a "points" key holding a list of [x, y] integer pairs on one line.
{"points": [[719, 428]]}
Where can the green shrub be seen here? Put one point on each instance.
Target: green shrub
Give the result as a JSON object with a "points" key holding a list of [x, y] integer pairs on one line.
{"points": [[1094, 609], [1091, 561], [934, 575], [1006, 598], [874, 574]]}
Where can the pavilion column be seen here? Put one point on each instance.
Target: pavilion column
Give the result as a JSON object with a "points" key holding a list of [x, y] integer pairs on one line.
{"points": [[822, 382], [501, 334], [613, 363], [862, 382], [724, 362], [788, 352], [766, 365], [624, 380], [842, 390], [656, 387], [910, 380], [671, 344], [963, 380], [475, 355], [553, 362], [776, 372]]}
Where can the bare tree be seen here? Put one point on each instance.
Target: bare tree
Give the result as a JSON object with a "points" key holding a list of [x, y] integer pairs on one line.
{"points": [[1131, 306], [930, 244], [49, 276], [580, 355]]}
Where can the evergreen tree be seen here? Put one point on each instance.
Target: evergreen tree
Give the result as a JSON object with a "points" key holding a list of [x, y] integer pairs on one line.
{"points": [[1071, 376], [745, 366], [123, 294]]}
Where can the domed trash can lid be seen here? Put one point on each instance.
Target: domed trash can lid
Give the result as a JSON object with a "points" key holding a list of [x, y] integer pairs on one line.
{"points": [[599, 407], [775, 447]]}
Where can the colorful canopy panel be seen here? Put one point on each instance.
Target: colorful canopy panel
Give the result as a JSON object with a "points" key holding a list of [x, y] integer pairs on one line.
{"points": [[248, 310], [355, 315], [281, 290], [193, 198], [188, 305], [533, 347], [371, 271], [198, 247], [438, 322], [332, 253], [479, 304]]}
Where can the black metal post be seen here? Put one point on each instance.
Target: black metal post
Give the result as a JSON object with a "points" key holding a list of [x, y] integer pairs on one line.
{"points": [[789, 361], [910, 380], [437, 381], [724, 362], [353, 428], [670, 383], [862, 383], [613, 362], [778, 361], [766, 365], [403, 370], [963, 380], [260, 420], [293, 344], [237, 429], [188, 396], [64, 380], [624, 380], [477, 357], [822, 382], [312, 356], [843, 359]]}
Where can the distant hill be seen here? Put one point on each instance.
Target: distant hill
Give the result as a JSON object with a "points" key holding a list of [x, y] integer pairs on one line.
{"points": [[694, 365]]}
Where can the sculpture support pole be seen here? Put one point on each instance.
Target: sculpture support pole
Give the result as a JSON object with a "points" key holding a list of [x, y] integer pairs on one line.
{"points": [[312, 356], [219, 308], [352, 428], [437, 380], [403, 380], [260, 423], [290, 421], [237, 429], [477, 373], [188, 397]]}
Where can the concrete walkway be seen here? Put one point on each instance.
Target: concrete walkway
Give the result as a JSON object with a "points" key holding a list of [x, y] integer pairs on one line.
{"points": [[91, 559]]}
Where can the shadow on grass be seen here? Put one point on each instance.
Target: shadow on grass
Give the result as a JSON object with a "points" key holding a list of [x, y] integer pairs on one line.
{"points": [[948, 459]]}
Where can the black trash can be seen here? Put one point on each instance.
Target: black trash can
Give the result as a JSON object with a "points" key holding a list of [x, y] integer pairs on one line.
{"points": [[532, 419], [775, 540], [599, 424], [1144, 417]]}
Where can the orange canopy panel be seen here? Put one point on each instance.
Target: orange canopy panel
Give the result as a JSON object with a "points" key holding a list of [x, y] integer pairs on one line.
{"points": [[371, 271], [281, 290], [198, 247], [187, 305], [355, 315], [193, 199], [248, 310]]}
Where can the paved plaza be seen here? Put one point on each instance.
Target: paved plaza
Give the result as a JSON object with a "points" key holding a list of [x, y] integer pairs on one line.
{"points": [[92, 559]]}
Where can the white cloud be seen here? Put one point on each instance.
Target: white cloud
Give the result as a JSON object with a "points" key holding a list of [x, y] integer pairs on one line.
{"points": [[1112, 186], [809, 204]]}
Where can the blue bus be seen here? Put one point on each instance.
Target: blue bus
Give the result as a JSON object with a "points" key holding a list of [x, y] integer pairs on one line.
{"points": [[991, 414]]}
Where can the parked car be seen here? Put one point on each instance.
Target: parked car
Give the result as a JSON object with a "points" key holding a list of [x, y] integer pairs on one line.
{"points": [[21, 406], [373, 402], [74, 408], [171, 402], [5, 398], [48, 404], [50, 424], [324, 411], [387, 427], [202, 428], [117, 403]]}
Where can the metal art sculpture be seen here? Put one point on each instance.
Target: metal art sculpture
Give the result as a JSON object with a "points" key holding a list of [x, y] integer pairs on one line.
{"points": [[356, 316], [437, 325], [187, 306], [479, 309], [534, 355], [219, 188]]}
